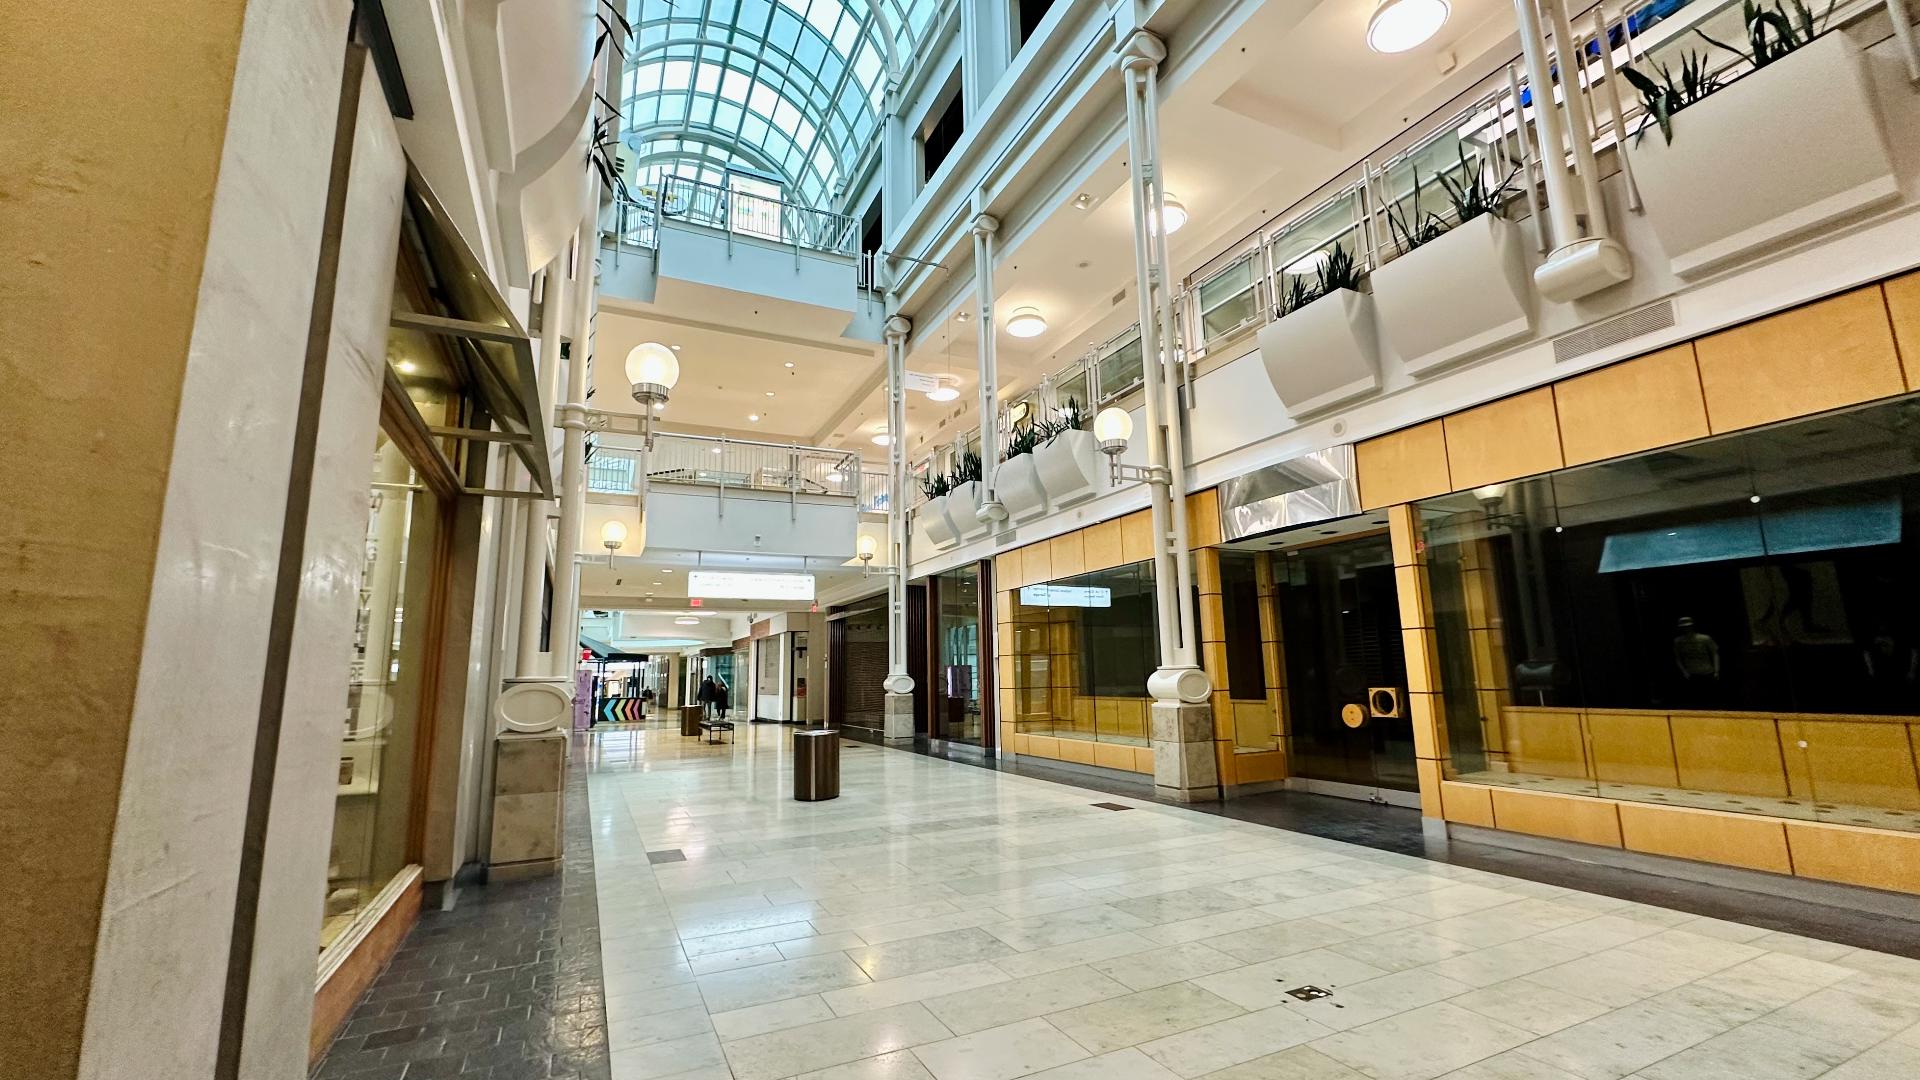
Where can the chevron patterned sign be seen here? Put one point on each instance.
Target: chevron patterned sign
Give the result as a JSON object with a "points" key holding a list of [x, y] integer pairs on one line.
{"points": [[625, 710]]}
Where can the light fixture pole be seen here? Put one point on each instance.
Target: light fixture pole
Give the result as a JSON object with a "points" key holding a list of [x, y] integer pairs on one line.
{"points": [[898, 722], [1182, 727], [985, 226]]}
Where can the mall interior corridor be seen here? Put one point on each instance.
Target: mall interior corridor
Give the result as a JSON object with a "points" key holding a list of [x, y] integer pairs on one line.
{"points": [[943, 921]]}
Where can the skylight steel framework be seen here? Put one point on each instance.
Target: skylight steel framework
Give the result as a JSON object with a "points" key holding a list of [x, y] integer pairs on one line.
{"points": [[794, 89]]}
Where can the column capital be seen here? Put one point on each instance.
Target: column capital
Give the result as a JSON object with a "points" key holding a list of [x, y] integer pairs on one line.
{"points": [[898, 327], [1142, 51], [985, 225]]}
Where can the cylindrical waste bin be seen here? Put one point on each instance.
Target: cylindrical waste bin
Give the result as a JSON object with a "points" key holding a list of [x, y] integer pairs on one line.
{"points": [[690, 717], [816, 764]]}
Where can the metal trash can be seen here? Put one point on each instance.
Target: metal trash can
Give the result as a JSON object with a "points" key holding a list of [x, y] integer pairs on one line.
{"points": [[816, 764], [690, 717]]}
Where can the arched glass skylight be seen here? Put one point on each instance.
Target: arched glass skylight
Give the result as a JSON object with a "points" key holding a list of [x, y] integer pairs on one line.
{"points": [[790, 88]]}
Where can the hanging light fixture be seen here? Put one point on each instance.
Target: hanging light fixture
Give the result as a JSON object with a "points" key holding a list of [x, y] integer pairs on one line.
{"points": [[1173, 213], [613, 536], [1026, 322], [1399, 25]]}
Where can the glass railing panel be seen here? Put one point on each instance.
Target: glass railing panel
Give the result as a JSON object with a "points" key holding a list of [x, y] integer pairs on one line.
{"points": [[1120, 370], [1228, 300]]}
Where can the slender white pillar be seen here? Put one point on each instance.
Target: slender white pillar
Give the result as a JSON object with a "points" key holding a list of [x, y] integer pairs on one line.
{"points": [[533, 551], [573, 454], [985, 226], [898, 717]]}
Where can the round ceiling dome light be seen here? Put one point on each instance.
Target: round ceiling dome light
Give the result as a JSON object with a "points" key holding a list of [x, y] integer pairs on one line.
{"points": [[1399, 25], [1173, 213], [686, 620], [945, 389], [882, 439], [1026, 322]]}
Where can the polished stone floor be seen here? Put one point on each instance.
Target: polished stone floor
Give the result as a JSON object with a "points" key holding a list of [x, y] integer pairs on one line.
{"points": [[956, 923]]}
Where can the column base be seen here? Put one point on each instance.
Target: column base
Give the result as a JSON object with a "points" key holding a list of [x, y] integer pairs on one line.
{"points": [[529, 805], [1184, 768], [898, 724]]}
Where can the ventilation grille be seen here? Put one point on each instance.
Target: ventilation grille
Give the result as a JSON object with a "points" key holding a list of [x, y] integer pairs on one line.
{"points": [[1119, 297], [1613, 331]]}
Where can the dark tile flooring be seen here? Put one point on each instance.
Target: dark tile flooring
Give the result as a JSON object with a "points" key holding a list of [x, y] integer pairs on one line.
{"points": [[1397, 828], [506, 986]]}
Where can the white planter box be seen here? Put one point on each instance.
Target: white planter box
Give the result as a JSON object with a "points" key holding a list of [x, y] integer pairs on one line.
{"points": [[1782, 151], [932, 516], [1456, 297], [1070, 468], [1017, 482], [1324, 354], [963, 511]]}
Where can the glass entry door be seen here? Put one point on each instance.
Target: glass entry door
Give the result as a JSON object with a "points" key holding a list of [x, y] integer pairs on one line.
{"points": [[1346, 672]]}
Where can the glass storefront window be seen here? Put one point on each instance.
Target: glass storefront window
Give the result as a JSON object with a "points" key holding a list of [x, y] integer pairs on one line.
{"points": [[956, 690], [1082, 649], [1729, 624], [372, 808]]}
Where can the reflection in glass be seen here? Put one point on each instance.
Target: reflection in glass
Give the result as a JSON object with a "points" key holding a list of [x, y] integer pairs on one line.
{"points": [[1728, 624], [1082, 649], [374, 795], [956, 690]]}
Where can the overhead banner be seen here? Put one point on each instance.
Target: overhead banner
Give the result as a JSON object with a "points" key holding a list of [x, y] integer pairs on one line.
{"points": [[746, 585]]}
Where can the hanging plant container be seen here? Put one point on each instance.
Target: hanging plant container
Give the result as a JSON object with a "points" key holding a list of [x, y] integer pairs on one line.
{"points": [[1017, 483], [1069, 467], [932, 516], [1455, 297], [1780, 152], [1322, 354], [963, 511]]}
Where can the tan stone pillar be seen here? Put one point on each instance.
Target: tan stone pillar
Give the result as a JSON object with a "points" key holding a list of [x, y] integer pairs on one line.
{"points": [[1424, 704]]}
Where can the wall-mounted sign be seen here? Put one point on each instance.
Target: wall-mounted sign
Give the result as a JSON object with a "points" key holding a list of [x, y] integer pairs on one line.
{"points": [[747, 585], [1066, 596], [915, 382]]}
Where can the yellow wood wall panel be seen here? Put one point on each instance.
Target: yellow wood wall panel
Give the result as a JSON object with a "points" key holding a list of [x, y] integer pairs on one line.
{"points": [[1044, 746], [1564, 817], [1203, 518], [1736, 754], [1430, 779], [1079, 751], [1136, 537], [1036, 563], [1006, 569], [1260, 768], [1654, 400], [1546, 741], [1820, 356], [1859, 762], [1424, 712], [1403, 532], [1143, 759], [1903, 309], [1468, 804], [1019, 743], [1002, 602], [1206, 570], [1757, 843], [1876, 858], [1504, 440], [1067, 554], [1213, 618], [1632, 748], [1102, 547], [1113, 756], [1410, 585], [1403, 465]]}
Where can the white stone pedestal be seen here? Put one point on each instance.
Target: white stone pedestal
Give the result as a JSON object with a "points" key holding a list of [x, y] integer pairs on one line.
{"points": [[1184, 768], [899, 719]]}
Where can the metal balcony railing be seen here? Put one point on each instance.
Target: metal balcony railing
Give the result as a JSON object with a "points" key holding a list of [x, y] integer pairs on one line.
{"points": [[711, 461], [638, 216]]}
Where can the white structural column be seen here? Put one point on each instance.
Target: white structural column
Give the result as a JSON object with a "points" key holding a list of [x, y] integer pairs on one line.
{"points": [[985, 226], [986, 48], [898, 722], [573, 454], [533, 568], [1182, 717]]}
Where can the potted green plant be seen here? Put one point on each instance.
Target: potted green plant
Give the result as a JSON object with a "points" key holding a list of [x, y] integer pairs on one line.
{"points": [[1459, 286], [932, 513], [1321, 349], [1066, 460], [1730, 165], [1017, 479], [963, 501]]}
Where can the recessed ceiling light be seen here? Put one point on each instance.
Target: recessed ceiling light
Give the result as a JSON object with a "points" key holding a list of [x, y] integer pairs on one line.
{"points": [[943, 392], [1173, 213], [407, 367], [882, 439], [1026, 322], [754, 416], [769, 393], [686, 620], [1082, 200], [667, 570], [1399, 25], [787, 364], [675, 348]]}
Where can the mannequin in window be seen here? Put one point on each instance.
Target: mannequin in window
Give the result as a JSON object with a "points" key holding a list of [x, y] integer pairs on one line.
{"points": [[1697, 656]]}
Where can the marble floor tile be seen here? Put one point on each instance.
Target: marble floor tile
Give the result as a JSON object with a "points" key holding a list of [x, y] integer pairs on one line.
{"points": [[1127, 1064], [730, 990], [1752, 1050], [1620, 1042], [1074, 954], [896, 1065], [1422, 1044], [970, 1010], [1298, 1063], [1257, 986], [907, 956], [1158, 967], [1355, 1004], [962, 978], [773, 1016], [812, 1047], [1539, 1009], [645, 1028], [1142, 1017], [1234, 1041], [1277, 939], [656, 1060], [1001, 1053]]}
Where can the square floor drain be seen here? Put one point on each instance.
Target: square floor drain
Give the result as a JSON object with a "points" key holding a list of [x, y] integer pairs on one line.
{"points": [[1111, 806], [1309, 993], [669, 855]]}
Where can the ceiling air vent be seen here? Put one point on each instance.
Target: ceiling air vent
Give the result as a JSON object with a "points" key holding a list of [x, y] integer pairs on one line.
{"points": [[1119, 296], [1613, 331]]}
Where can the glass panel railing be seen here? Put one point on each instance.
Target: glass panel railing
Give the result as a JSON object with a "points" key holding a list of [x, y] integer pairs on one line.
{"points": [[738, 213], [1228, 300], [1118, 367]]}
